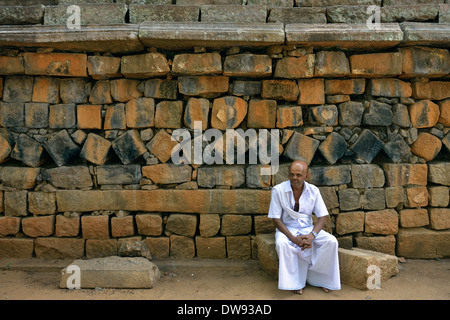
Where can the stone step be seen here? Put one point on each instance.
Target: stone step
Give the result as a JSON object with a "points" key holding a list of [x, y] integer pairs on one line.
{"points": [[358, 267], [111, 272]]}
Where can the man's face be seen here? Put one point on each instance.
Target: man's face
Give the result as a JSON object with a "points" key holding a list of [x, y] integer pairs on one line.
{"points": [[297, 174]]}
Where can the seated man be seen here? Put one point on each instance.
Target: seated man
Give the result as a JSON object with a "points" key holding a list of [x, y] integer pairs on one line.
{"points": [[306, 252]]}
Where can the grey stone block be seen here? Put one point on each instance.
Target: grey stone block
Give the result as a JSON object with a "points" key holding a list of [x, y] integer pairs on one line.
{"points": [[113, 272], [118, 174], [29, 151], [62, 149]]}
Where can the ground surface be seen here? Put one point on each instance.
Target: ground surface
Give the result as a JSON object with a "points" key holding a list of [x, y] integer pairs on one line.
{"points": [[417, 279]]}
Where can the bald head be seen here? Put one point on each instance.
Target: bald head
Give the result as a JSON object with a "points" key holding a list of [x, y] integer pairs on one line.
{"points": [[298, 172], [299, 164]]}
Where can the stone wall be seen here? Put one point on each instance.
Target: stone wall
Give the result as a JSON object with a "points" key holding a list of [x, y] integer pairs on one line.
{"points": [[88, 117], [86, 145]]}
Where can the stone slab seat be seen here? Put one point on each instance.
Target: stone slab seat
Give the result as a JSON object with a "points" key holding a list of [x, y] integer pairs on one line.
{"points": [[117, 38], [353, 264], [113, 272], [343, 35]]}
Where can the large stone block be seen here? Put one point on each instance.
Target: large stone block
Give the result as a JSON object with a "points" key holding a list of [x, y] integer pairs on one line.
{"points": [[349, 199], [197, 64], [167, 173], [11, 114], [162, 145], [424, 61], [378, 114], [140, 113], [38, 226], [301, 147], [209, 225], [350, 113], [333, 147], [11, 65], [204, 86], [367, 176], [238, 247], [62, 116], [182, 224], [295, 67], [211, 248], [42, 203], [61, 148], [68, 177], [390, 88], [267, 253], [405, 174], [289, 116], [59, 248], [161, 89], [28, 151], [348, 86], [331, 64], [118, 174], [115, 117], [410, 218], [438, 173], [36, 115], [114, 272], [381, 222], [182, 247], [129, 146], [247, 65], [56, 64], [427, 146], [101, 93], [354, 267], [67, 226], [95, 227], [376, 64], [233, 13], [9, 226], [433, 90], [350, 222], [367, 146], [424, 114], [312, 91], [89, 116], [90, 13], [197, 110], [440, 218], [422, 243], [169, 114], [280, 90], [148, 65], [396, 148], [242, 201], [228, 112], [19, 177], [96, 149], [123, 90], [233, 225], [16, 248], [329, 175], [46, 89], [163, 12], [209, 177], [262, 114], [149, 224], [383, 244], [103, 67]]}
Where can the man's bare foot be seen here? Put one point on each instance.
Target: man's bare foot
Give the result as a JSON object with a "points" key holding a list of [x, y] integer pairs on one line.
{"points": [[326, 290], [299, 291]]}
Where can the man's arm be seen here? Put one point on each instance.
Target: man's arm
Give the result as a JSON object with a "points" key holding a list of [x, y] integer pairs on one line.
{"points": [[282, 228], [308, 239]]}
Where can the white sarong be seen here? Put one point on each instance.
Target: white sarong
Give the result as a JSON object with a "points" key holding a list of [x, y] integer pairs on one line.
{"points": [[317, 266]]}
